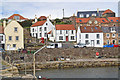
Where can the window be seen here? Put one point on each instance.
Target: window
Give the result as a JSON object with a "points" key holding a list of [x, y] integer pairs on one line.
{"points": [[72, 31], [45, 34], [80, 36], [33, 30], [40, 35], [60, 37], [117, 20], [46, 23], [72, 37], [98, 41], [66, 31], [95, 27], [86, 41], [87, 15], [94, 14], [10, 38], [81, 15], [45, 28], [95, 22], [15, 29], [14, 45], [40, 28], [86, 36], [118, 41], [103, 20], [107, 35], [119, 35], [113, 29], [111, 20], [60, 31], [1, 38], [113, 35], [16, 17], [84, 27], [98, 36], [108, 42], [17, 37], [80, 20]]}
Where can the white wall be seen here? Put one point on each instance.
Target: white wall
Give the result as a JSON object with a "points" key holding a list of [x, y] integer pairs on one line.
{"points": [[37, 31], [92, 36], [64, 35]]}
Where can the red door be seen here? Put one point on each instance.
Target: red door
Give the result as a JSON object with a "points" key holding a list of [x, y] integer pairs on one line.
{"points": [[66, 38]]}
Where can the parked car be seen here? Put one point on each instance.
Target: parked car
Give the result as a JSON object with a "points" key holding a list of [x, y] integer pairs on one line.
{"points": [[55, 45], [2, 50], [110, 45], [116, 45], [79, 45]]}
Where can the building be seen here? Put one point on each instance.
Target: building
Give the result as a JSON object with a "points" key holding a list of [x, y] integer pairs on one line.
{"points": [[65, 32], [17, 17], [108, 13], [40, 29], [2, 37], [14, 35], [92, 36], [103, 13], [91, 21], [111, 35], [41, 18]]}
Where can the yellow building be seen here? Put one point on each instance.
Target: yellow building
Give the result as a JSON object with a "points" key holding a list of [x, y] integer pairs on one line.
{"points": [[14, 35]]}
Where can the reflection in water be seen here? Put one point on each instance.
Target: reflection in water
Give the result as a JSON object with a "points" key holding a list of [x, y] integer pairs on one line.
{"points": [[102, 72]]}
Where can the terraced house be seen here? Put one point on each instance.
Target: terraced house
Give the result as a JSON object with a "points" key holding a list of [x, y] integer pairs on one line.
{"points": [[92, 36], [65, 33], [14, 35]]}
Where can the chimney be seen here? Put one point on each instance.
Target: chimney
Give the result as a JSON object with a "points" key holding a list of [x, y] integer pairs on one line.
{"points": [[98, 12], [4, 23], [35, 18]]}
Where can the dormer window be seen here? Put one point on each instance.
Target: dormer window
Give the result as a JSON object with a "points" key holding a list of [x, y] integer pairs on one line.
{"points": [[113, 29], [95, 27], [16, 17], [80, 20], [84, 27], [117, 20], [103, 20], [111, 20]]}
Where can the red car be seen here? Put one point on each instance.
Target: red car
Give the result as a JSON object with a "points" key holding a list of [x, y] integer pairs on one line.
{"points": [[116, 46]]}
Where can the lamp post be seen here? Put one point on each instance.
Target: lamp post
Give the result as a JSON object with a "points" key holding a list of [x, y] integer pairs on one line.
{"points": [[34, 60]]}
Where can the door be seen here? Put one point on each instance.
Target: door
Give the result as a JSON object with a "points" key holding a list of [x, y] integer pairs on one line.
{"points": [[66, 38], [8, 46], [92, 43], [113, 41]]}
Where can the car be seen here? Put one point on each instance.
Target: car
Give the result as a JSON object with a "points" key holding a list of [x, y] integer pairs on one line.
{"points": [[116, 45], [79, 45], [109, 45], [55, 45]]}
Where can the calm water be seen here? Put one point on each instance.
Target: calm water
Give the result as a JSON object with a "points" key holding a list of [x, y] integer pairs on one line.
{"points": [[102, 72]]}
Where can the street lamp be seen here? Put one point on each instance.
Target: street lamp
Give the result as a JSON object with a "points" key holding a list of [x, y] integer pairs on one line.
{"points": [[34, 60]]}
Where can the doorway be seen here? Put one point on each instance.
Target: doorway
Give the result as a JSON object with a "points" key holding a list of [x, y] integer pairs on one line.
{"points": [[66, 38], [92, 43]]}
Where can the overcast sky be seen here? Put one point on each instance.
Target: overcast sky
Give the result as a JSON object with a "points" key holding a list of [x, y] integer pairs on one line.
{"points": [[28, 8]]}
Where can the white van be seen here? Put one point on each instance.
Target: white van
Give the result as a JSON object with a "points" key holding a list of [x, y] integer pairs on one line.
{"points": [[55, 45]]}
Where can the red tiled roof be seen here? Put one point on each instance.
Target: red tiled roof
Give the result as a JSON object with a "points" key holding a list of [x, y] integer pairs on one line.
{"points": [[82, 20], [90, 29], [42, 17], [21, 17], [102, 20], [65, 27], [39, 23], [108, 11], [114, 19], [1, 30], [49, 32]]}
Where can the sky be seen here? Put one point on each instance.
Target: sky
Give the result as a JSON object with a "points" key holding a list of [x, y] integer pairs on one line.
{"points": [[30, 8]]}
